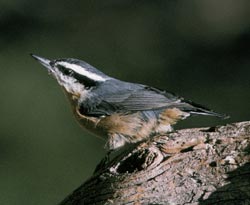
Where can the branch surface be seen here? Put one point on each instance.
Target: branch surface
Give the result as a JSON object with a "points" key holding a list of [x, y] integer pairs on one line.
{"points": [[192, 166]]}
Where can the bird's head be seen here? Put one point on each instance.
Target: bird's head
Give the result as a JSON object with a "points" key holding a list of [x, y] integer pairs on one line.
{"points": [[75, 76]]}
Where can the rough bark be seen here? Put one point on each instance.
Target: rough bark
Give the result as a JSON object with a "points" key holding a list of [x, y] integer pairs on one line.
{"points": [[202, 166]]}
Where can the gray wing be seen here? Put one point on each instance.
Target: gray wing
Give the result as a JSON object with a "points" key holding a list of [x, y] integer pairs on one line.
{"points": [[129, 97], [144, 98], [125, 99]]}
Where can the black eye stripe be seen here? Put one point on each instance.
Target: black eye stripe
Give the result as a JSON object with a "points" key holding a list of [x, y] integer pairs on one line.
{"points": [[64, 70], [80, 78], [84, 80]]}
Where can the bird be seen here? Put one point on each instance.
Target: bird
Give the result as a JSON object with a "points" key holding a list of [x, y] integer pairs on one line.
{"points": [[119, 112]]}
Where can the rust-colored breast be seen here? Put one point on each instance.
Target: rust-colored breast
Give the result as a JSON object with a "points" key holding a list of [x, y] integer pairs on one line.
{"points": [[125, 124], [132, 126], [171, 116], [119, 129]]}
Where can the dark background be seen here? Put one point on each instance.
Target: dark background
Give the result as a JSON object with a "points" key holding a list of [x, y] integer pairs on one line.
{"points": [[198, 49]]}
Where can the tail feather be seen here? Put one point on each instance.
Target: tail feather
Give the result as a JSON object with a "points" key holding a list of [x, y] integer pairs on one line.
{"points": [[210, 113], [198, 109]]}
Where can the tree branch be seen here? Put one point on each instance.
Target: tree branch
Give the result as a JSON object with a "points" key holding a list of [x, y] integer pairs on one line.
{"points": [[193, 166]]}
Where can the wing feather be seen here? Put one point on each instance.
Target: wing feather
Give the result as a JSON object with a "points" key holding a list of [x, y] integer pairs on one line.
{"points": [[127, 98]]}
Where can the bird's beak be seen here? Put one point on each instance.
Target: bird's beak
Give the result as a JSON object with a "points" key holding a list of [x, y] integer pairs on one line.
{"points": [[45, 62]]}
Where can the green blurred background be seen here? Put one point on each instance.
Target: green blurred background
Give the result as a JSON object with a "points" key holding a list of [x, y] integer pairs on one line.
{"points": [[198, 49]]}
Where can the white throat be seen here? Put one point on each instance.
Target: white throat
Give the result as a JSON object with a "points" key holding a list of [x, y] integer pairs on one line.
{"points": [[70, 84]]}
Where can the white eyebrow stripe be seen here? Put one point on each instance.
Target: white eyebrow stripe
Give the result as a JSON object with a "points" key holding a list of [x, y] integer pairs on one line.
{"points": [[82, 71]]}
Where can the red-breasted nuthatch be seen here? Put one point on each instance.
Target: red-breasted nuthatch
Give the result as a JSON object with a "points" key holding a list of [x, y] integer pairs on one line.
{"points": [[120, 112]]}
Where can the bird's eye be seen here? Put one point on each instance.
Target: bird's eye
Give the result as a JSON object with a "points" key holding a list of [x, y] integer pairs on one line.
{"points": [[71, 72], [65, 71]]}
